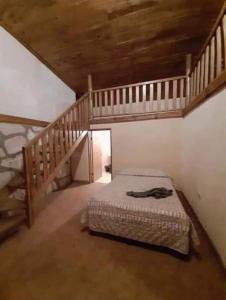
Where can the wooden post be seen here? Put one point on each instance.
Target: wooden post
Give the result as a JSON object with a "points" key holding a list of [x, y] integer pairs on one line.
{"points": [[188, 71], [29, 194], [90, 83], [90, 156], [90, 90]]}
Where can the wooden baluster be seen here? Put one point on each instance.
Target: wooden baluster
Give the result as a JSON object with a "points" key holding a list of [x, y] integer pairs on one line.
{"points": [[96, 108], [130, 99], [117, 102], [85, 113], [159, 96], [174, 94], [198, 78], [124, 101], [195, 82], [151, 87], [80, 119], [62, 139], [219, 52], [66, 134], [144, 98], [166, 95], [81, 116], [206, 81], [56, 142], [181, 102], [89, 103], [100, 104], [188, 79], [44, 152], [79, 122], [51, 151], [73, 125], [106, 103], [75, 122], [212, 59], [137, 109], [70, 129], [191, 87], [224, 39], [37, 164], [202, 73], [112, 101]]}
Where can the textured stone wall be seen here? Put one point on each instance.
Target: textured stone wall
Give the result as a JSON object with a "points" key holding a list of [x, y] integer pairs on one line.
{"points": [[12, 138]]}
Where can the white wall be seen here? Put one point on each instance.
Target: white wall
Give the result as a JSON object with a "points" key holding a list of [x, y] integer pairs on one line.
{"points": [[147, 144], [204, 167], [27, 87], [80, 162]]}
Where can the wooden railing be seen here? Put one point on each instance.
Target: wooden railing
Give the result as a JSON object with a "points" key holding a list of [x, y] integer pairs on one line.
{"points": [[45, 155], [209, 70], [147, 97]]}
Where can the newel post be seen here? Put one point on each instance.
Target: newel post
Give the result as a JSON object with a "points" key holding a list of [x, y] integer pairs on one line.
{"points": [[90, 91], [188, 83]]}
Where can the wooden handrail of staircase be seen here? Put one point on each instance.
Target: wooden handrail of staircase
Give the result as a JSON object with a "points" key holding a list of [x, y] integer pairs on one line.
{"points": [[209, 70], [47, 152]]}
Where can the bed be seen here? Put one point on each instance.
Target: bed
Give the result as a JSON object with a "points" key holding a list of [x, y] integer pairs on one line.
{"points": [[161, 222]]}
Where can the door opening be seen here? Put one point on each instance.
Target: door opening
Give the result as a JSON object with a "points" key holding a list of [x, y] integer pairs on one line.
{"points": [[102, 157]]}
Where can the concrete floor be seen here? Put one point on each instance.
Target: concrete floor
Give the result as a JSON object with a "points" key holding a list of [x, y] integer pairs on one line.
{"points": [[58, 260]]}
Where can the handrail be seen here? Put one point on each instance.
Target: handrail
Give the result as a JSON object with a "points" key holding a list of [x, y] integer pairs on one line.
{"points": [[46, 153], [21, 120], [140, 83], [212, 32], [209, 70]]}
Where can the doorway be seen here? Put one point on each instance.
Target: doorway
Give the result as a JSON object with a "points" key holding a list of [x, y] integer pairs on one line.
{"points": [[102, 156]]}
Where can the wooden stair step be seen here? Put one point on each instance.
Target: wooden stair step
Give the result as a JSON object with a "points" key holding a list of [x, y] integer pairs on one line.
{"points": [[11, 207], [10, 226], [18, 182]]}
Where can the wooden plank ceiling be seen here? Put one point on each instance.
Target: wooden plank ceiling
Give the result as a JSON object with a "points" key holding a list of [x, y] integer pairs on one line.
{"points": [[118, 41]]}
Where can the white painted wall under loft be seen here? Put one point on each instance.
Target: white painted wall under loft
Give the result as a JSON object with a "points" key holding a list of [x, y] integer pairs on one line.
{"points": [[147, 144], [204, 167], [27, 87]]}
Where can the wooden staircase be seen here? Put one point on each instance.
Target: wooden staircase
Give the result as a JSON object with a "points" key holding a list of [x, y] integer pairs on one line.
{"points": [[44, 156], [46, 153]]}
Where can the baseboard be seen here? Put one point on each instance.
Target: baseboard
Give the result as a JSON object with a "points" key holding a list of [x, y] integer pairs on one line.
{"points": [[188, 208]]}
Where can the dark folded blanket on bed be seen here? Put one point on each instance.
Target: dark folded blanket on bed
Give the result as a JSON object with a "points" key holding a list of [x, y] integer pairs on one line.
{"points": [[157, 193]]}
